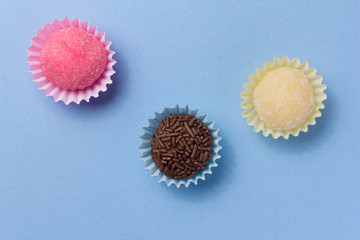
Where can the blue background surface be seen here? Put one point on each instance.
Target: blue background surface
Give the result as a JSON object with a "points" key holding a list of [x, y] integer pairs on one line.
{"points": [[74, 172]]}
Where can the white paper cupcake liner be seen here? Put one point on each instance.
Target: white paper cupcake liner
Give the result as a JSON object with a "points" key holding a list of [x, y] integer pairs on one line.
{"points": [[147, 137], [59, 94]]}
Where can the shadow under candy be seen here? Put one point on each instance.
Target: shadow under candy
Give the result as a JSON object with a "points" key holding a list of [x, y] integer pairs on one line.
{"points": [[214, 184], [105, 99], [316, 136]]}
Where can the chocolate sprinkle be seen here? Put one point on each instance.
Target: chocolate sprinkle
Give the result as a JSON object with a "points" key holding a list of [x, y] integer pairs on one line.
{"points": [[180, 146]]}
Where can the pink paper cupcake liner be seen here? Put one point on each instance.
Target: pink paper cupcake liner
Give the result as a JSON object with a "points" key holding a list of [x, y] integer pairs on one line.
{"points": [[59, 94]]}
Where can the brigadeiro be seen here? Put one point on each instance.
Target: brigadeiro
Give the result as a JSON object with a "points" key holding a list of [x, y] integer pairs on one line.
{"points": [[71, 61], [180, 146]]}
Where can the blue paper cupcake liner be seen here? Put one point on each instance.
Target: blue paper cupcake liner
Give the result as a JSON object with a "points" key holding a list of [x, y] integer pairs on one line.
{"points": [[145, 146]]}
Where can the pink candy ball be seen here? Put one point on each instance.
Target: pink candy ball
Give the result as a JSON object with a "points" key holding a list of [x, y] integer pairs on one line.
{"points": [[72, 58]]}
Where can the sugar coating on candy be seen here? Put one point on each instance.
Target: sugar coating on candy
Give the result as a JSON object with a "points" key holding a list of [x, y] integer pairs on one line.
{"points": [[72, 58], [284, 98]]}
